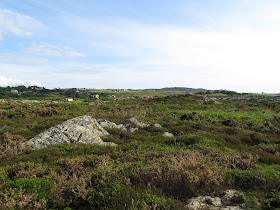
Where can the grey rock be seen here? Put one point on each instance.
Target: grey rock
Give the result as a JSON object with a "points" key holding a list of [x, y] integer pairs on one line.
{"points": [[227, 202], [82, 129], [200, 102], [204, 202], [216, 201], [156, 125], [137, 123], [217, 102], [230, 196], [167, 134], [106, 123], [98, 103], [132, 130], [194, 205]]}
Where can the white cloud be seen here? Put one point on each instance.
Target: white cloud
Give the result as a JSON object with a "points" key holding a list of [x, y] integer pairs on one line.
{"points": [[54, 51], [18, 24], [35, 83], [242, 59], [4, 81]]}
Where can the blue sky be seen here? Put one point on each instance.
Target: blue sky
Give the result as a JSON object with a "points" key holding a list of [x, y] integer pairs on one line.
{"points": [[214, 44]]}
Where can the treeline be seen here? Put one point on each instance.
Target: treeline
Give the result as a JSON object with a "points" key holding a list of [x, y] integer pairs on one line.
{"points": [[28, 92], [35, 92]]}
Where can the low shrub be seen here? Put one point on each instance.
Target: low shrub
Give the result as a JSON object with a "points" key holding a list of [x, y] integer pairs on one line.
{"points": [[39, 186], [272, 201], [189, 173], [266, 179], [27, 170], [19, 199], [266, 157], [12, 144]]}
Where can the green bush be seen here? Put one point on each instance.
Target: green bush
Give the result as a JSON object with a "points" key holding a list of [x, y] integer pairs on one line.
{"points": [[39, 186], [272, 201]]}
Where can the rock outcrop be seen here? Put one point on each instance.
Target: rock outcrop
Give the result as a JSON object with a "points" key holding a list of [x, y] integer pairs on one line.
{"points": [[108, 124], [82, 129], [231, 200], [167, 134], [156, 125], [134, 121], [130, 127]]}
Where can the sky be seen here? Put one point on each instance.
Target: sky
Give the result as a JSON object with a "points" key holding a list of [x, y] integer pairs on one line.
{"points": [[211, 44]]}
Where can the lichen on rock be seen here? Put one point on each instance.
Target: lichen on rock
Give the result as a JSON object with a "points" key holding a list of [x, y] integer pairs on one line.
{"points": [[82, 129]]}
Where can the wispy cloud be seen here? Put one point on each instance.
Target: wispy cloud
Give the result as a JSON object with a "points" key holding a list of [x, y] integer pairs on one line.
{"points": [[18, 24], [46, 49]]}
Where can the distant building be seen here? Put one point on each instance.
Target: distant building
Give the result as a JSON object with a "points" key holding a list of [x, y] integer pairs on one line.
{"points": [[69, 99], [96, 96]]}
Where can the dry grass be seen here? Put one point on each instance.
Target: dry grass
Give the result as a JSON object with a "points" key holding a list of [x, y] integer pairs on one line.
{"points": [[18, 199], [12, 144], [189, 173]]}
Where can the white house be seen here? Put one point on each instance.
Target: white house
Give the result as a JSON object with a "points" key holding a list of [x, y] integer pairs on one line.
{"points": [[69, 99]]}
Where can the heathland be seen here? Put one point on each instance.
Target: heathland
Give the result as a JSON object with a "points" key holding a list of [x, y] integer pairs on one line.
{"points": [[221, 140]]}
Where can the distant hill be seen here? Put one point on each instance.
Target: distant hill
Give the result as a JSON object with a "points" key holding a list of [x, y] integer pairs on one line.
{"points": [[178, 89]]}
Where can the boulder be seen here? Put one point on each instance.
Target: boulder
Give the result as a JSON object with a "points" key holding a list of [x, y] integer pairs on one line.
{"points": [[82, 129], [232, 200], [156, 125], [108, 124], [167, 134], [131, 129], [137, 123]]}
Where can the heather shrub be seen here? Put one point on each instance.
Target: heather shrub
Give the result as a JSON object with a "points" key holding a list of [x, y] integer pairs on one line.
{"points": [[272, 202], [3, 176], [68, 190], [12, 144], [27, 170], [188, 140], [19, 199], [47, 111], [266, 157], [187, 174], [254, 139], [269, 148], [76, 177], [232, 159], [264, 179]]}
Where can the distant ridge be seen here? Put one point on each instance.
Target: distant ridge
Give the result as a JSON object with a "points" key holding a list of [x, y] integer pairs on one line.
{"points": [[178, 89]]}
